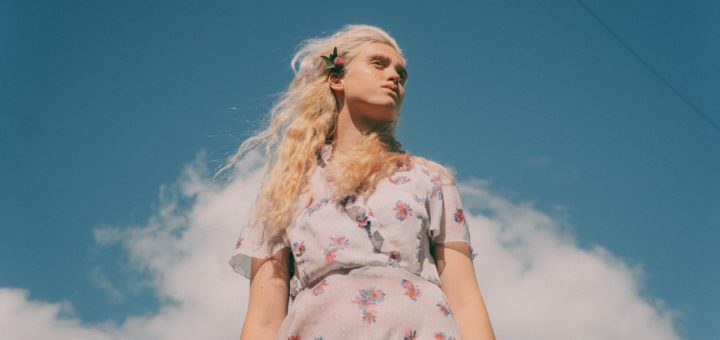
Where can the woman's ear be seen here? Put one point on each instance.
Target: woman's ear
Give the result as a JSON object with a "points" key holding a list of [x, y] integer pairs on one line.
{"points": [[335, 82]]}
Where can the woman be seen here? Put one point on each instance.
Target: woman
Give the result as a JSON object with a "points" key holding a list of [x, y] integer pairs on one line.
{"points": [[365, 240]]}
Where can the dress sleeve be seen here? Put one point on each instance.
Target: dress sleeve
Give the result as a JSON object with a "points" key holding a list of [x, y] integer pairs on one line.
{"points": [[252, 243], [447, 218]]}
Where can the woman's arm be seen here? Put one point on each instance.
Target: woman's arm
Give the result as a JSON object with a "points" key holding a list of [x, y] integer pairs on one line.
{"points": [[268, 301], [457, 276]]}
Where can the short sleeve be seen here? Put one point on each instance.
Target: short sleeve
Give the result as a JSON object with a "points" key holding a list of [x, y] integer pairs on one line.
{"points": [[251, 243], [447, 218]]}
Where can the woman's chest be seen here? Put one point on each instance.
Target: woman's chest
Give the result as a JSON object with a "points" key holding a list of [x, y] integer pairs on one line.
{"points": [[399, 199], [393, 219]]}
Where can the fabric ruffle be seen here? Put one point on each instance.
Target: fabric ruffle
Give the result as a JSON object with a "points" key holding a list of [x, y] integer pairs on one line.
{"points": [[355, 206]]}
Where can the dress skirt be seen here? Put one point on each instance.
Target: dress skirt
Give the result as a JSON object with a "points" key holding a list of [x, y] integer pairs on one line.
{"points": [[370, 302]]}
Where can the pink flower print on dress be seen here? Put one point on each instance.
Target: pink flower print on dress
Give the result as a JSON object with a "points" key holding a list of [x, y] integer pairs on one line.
{"points": [[371, 296], [410, 334], [316, 206], [411, 289], [402, 210], [239, 242], [319, 287], [369, 317], [442, 336], [444, 307], [298, 248], [436, 186], [394, 259], [295, 285], [336, 243], [368, 299], [294, 337], [459, 216], [397, 180], [330, 255], [340, 241]]}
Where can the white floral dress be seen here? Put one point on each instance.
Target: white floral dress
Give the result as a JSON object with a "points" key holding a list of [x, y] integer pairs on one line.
{"points": [[363, 269]]}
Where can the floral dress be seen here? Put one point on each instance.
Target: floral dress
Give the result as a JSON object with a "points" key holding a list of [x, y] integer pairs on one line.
{"points": [[363, 269]]}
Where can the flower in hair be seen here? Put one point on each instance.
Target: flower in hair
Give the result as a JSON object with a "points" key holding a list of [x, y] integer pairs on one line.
{"points": [[333, 62]]}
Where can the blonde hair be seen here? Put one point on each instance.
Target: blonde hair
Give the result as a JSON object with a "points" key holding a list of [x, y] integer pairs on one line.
{"points": [[304, 119]]}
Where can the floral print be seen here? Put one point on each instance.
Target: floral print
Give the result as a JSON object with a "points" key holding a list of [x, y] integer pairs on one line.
{"points": [[366, 301], [444, 307], [410, 334], [410, 289], [319, 288], [399, 179], [436, 191], [298, 248], [458, 216], [442, 336], [336, 243], [363, 266], [402, 210], [316, 206], [394, 259]]}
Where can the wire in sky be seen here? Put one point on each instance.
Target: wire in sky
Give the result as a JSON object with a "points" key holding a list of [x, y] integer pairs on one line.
{"points": [[649, 67]]}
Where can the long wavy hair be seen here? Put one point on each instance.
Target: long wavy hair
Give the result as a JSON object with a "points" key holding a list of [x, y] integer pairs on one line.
{"points": [[304, 119]]}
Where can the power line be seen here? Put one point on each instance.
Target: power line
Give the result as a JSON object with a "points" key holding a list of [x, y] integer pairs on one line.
{"points": [[649, 67]]}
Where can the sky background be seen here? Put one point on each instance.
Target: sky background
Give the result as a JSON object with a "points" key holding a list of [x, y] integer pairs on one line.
{"points": [[112, 114]]}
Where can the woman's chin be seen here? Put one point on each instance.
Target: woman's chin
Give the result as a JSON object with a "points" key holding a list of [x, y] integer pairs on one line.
{"points": [[379, 113], [384, 118]]}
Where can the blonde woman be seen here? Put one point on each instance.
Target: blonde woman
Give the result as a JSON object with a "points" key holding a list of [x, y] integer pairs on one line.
{"points": [[351, 237]]}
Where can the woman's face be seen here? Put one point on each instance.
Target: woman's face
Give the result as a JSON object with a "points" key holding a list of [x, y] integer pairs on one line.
{"points": [[374, 84]]}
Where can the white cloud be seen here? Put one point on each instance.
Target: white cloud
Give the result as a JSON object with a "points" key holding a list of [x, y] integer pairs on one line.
{"points": [[99, 279], [21, 318], [537, 283]]}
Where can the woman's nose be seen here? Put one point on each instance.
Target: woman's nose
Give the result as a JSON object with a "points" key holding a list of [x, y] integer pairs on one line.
{"points": [[393, 75], [395, 78]]}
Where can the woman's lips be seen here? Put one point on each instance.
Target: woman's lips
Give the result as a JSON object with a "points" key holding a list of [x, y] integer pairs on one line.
{"points": [[394, 94]]}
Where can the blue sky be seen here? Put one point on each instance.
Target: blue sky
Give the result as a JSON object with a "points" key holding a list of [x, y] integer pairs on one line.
{"points": [[103, 104]]}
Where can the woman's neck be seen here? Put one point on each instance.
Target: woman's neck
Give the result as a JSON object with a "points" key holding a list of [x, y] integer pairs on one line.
{"points": [[347, 133]]}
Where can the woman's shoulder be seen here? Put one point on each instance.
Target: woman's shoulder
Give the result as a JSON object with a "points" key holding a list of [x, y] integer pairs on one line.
{"points": [[433, 171]]}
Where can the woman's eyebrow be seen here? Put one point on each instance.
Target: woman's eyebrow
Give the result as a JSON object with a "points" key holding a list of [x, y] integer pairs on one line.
{"points": [[386, 58]]}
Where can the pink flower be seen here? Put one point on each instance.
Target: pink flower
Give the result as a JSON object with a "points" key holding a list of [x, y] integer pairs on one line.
{"points": [[459, 216], [339, 61]]}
